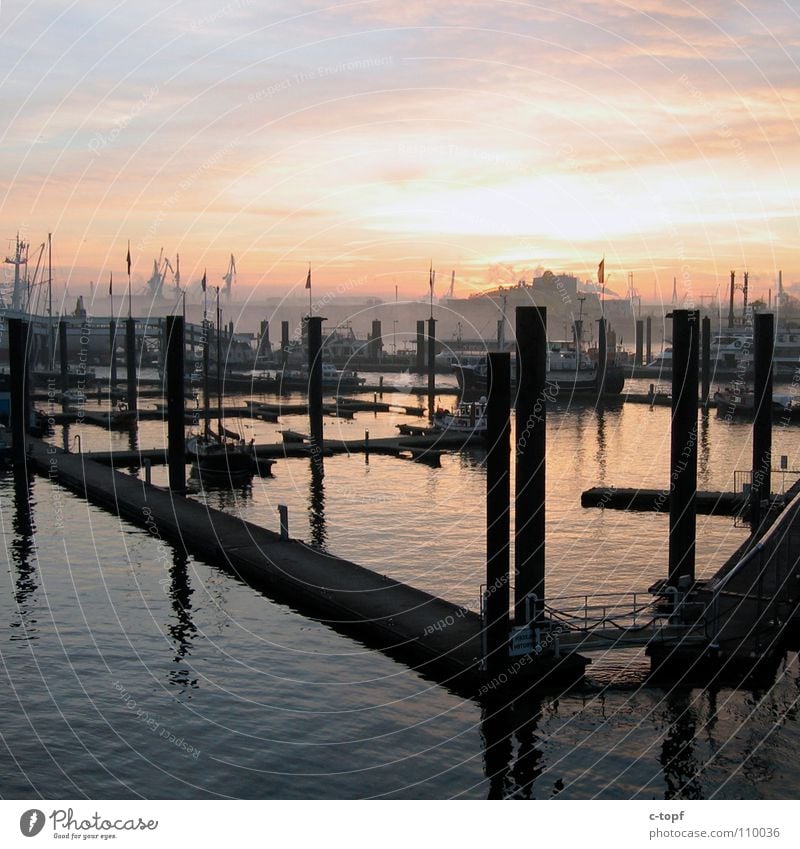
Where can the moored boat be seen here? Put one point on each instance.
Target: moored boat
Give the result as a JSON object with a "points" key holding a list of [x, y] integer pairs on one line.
{"points": [[468, 417], [570, 370]]}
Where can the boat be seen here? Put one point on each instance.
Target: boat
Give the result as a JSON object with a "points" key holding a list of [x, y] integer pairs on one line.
{"points": [[332, 378], [469, 417], [736, 400], [216, 456], [220, 456], [568, 368], [122, 418]]}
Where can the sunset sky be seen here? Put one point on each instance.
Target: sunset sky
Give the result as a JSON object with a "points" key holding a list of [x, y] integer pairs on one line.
{"points": [[371, 137]]}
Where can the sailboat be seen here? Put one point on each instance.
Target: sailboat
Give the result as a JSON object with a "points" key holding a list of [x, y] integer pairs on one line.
{"points": [[220, 454]]}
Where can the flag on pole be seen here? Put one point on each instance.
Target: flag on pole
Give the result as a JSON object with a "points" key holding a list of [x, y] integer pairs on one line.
{"points": [[110, 282], [432, 277], [203, 281], [128, 258], [601, 272], [308, 279]]}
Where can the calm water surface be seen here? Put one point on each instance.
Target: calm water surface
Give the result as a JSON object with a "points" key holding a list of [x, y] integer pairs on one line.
{"points": [[130, 670]]}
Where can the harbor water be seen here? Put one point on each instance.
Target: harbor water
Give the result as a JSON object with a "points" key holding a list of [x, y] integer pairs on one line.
{"points": [[130, 670]]}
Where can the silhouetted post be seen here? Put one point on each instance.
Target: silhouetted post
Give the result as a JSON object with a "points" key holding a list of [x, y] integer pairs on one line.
{"points": [[683, 446], [763, 345], [731, 320], [648, 341], [706, 360], [130, 354], [431, 366], [112, 345], [176, 440], [376, 340], [63, 355], [20, 402], [284, 343], [420, 347], [529, 548], [315, 387], [498, 492], [639, 341], [602, 357]]}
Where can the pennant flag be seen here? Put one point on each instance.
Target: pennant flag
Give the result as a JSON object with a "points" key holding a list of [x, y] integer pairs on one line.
{"points": [[601, 272], [308, 279], [110, 282], [203, 281], [432, 276], [128, 258]]}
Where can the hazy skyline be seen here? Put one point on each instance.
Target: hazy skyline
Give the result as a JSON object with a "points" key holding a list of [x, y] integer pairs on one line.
{"points": [[369, 138]]}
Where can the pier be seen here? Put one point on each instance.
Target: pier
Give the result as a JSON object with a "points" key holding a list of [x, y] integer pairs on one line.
{"points": [[522, 636]]}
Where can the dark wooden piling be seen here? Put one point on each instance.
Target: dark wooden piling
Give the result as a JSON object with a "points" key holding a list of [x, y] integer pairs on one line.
{"points": [[63, 355], [706, 360], [531, 420], [763, 348], [18, 332], [498, 491], [639, 342], [648, 339], [602, 357], [431, 367], [376, 340], [130, 358], [420, 347], [112, 348], [731, 320], [683, 447], [315, 387], [284, 343], [176, 441]]}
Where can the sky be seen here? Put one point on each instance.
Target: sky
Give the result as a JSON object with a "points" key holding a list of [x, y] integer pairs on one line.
{"points": [[372, 138]]}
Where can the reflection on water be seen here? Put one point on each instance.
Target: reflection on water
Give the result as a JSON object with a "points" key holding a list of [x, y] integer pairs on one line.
{"points": [[23, 555], [182, 630], [681, 770], [316, 504]]}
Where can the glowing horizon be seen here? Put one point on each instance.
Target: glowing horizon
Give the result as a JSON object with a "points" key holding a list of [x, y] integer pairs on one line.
{"points": [[494, 138]]}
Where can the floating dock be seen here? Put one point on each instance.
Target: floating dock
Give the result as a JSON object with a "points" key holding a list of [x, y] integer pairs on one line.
{"points": [[439, 639], [657, 500]]}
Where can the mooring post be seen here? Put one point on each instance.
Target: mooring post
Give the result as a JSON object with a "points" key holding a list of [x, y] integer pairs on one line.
{"points": [[284, 343], [176, 439], [706, 360], [112, 346], [498, 492], [148, 471], [683, 447], [431, 366], [420, 347], [63, 355], [130, 354], [763, 349], [648, 340], [315, 388], [529, 503], [602, 357], [639, 342], [283, 514], [18, 331]]}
